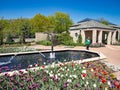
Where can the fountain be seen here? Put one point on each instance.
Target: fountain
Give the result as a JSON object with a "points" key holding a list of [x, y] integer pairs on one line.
{"points": [[9, 61], [52, 54], [40, 57]]}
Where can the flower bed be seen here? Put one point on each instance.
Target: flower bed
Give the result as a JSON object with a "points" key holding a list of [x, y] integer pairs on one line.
{"points": [[16, 49], [65, 76]]}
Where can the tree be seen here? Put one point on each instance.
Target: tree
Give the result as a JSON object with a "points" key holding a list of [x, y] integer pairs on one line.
{"points": [[65, 39], [24, 29], [61, 22], [3, 25], [40, 23], [103, 21], [19, 28], [79, 41], [9, 38]]}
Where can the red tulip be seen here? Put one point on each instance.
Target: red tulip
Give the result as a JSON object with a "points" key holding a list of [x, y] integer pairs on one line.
{"points": [[99, 70], [103, 80], [43, 66], [72, 64], [94, 68], [100, 77], [104, 72], [60, 65], [118, 86], [84, 74], [116, 83], [95, 73]]}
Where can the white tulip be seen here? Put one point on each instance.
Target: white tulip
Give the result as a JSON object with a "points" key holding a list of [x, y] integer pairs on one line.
{"points": [[87, 82], [58, 74], [92, 70], [94, 85], [75, 76], [109, 83], [62, 75], [69, 80], [83, 71]]}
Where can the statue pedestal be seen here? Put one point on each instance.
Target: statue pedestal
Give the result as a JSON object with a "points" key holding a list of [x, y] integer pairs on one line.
{"points": [[52, 55]]}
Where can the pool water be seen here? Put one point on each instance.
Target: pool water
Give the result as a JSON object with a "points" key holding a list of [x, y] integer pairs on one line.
{"points": [[22, 61]]}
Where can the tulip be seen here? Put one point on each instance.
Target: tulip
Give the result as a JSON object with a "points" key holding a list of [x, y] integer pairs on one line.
{"points": [[116, 83], [14, 89], [43, 66], [77, 85], [84, 74], [104, 72], [94, 85], [22, 85], [103, 80], [60, 65], [72, 65]]}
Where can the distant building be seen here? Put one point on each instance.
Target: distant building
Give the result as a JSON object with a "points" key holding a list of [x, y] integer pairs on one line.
{"points": [[96, 31]]}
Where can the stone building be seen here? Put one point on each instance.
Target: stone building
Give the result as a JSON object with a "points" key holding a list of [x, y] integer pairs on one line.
{"points": [[96, 31]]}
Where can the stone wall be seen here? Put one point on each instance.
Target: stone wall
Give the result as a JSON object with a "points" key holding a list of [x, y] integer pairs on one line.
{"points": [[74, 34], [40, 36]]}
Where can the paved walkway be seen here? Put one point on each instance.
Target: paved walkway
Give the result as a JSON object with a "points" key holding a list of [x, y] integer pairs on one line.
{"points": [[111, 52]]}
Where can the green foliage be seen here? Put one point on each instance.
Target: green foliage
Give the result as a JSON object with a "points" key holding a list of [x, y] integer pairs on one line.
{"points": [[45, 42], [63, 76], [103, 21], [1, 39], [24, 29], [9, 39], [65, 39], [3, 24], [60, 21], [40, 23], [79, 41], [17, 48]]}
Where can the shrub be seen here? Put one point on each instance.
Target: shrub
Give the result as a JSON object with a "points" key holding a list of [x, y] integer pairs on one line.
{"points": [[9, 39], [65, 39], [1, 39], [79, 41], [45, 42]]}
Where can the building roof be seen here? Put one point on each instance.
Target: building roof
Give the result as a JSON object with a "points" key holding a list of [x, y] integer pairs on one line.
{"points": [[90, 23], [115, 26], [98, 20]]}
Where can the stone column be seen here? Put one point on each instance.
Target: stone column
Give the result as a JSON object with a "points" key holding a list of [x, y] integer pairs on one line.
{"points": [[83, 36], [109, 38], [100, 36], [94, 33], [118, 34], [114, 37]]}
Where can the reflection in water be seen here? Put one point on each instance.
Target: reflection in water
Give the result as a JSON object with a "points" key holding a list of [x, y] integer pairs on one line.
{"points": [[8, 62], [24, 61]]}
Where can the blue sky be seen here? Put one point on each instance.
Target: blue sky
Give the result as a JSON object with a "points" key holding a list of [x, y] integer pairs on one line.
{"points": [[77, 9]]}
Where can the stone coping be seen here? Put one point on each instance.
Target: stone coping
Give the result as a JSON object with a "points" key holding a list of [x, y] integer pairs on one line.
{"points": [[31, 52], [78, 61], [47, 66]]}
